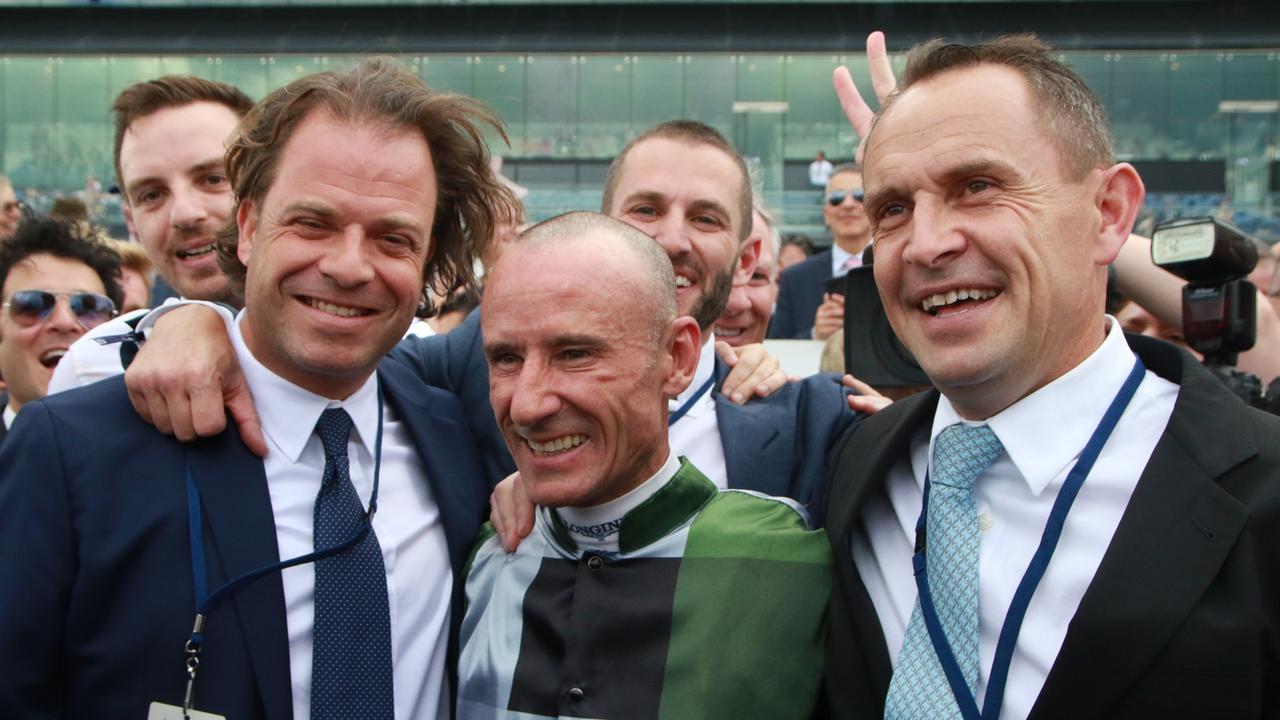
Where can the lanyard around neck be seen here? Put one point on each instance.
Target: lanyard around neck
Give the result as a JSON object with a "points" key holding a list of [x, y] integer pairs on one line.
{"points": [[688, 404], [994, 697], [205, 601]]}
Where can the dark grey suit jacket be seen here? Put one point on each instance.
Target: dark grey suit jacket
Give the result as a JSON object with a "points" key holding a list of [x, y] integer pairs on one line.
{"points": [[1182, 619]]}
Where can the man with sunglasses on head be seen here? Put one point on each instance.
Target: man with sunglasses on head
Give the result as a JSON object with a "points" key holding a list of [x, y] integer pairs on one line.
{"points": [[805, 309], [54, 284]]}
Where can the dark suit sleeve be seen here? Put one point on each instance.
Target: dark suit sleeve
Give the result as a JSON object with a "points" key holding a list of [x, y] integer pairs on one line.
{"points": [[37, 567], [783, 324], [455, 362]]}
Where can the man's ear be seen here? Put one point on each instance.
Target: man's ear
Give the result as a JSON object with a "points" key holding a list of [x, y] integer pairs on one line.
{"points": [[1118, 200], [128, 218], [747, 260], [684, 344], [246, 226]]}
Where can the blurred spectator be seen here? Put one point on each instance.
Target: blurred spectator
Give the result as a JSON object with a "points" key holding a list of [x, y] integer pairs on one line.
{"points": [[137, 274], [805, 310], [796, 248], [745, 319], [820, 170], [10, 208], [55, 283], [1135, 319], [72, 210], [455, 310], [1264, 274]]}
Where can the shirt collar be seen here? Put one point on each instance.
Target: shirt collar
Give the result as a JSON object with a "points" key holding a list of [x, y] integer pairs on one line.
{"points": [[289, 413], [838, 258], [1045, 431], [668, 508], [9, 415], [706, 367]]}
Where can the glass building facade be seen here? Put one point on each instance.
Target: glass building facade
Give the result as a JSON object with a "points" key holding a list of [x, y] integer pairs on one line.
{"points": [[567, 115]]}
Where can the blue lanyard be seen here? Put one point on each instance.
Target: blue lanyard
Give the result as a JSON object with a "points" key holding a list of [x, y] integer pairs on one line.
{"points": [[994, 697], [688, 404], [206, 601]]}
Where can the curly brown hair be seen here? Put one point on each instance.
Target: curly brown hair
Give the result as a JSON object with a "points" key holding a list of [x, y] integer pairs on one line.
{"points": [[471, 202]]}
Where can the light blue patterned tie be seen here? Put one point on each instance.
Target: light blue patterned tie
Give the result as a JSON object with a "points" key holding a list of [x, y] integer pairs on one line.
{"points": [[351, 660], [919, 689]]}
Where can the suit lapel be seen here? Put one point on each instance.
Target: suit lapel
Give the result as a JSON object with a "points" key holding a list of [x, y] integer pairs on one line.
{"points": [[448, 456], [1176, 532], [758, 441], [241, 536], [861, 468]]}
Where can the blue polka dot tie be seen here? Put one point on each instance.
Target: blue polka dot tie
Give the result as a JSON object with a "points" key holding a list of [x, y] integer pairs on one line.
{"points": [[351, 660], [919, 689]]}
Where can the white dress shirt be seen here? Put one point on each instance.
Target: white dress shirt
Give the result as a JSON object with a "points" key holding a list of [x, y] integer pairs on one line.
{"points": [[696, 436], [9, 416], [838, 259], [88, 362], [414, 550], [1043, 435]]}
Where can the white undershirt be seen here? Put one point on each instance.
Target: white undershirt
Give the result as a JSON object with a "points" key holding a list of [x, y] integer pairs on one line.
{"points": [[696, 436], [414, 549], [1043, 434], [596, 528]]}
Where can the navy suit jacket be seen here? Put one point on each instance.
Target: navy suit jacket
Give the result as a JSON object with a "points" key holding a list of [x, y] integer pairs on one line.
{"points": [[96, 588], [1182, 617], [800, 291], [776, 445]]}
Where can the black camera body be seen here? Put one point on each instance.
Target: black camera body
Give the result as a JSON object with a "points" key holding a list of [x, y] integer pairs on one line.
{"points": [[1219, 306], [872, 353]]}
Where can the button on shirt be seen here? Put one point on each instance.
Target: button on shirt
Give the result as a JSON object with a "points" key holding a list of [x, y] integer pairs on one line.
{"points": [[1043, 435], [414, 550], [696, 436]]}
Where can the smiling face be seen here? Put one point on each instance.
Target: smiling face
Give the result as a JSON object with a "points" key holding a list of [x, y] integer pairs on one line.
{"points": [[335, 253], [578, 383], [176, 192], [28, 354], [685, 197], [745, 321], [848, 220], [968, 198]]}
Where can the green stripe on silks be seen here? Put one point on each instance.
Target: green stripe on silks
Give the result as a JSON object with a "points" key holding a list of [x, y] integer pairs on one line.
{"points": [[486, 531], [749, 614]]}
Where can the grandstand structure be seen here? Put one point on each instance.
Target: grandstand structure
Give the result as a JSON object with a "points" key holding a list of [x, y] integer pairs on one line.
{"points": [[1193, 88]]}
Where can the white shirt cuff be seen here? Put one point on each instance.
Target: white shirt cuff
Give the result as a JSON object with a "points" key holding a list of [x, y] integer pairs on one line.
{"points": [[144, 327]]}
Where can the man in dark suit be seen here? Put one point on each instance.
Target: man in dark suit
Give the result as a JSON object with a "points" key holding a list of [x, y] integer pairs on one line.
{"points": [[341, 217], [805, 310], [996, 205]]}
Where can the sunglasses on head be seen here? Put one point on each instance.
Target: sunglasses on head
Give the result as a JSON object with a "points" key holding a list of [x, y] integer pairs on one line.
{"points": [[838, 197], [28, 307]]}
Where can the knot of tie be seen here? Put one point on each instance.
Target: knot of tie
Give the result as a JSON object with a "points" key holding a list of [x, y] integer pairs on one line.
{"points": [[334, 429], [961, 453]]}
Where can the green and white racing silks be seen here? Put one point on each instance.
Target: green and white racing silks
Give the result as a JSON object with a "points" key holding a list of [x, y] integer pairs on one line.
{"points": [[712, 607]]}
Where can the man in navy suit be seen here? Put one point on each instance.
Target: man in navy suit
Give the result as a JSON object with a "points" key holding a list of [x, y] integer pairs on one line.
{"points": [[805, 310], [352, 189]]}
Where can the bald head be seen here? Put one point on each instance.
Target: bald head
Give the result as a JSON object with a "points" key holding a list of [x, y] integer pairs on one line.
{"points": [[591, 233], [584, 351]]}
